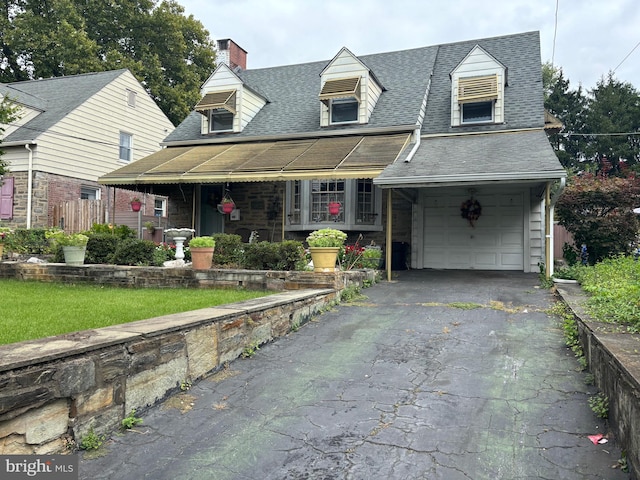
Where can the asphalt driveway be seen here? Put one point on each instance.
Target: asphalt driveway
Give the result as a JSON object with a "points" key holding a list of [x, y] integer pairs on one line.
{"points": [[438, 375]]}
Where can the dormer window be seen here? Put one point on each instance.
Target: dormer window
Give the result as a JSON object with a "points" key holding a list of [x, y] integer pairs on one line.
{"points": [[220, 107], [477, 112], [221, 120], [478, 89], [344, 110]]}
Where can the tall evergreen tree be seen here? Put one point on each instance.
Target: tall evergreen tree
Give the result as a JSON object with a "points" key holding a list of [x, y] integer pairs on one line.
{"points": [[613, 122], [568, 106]]}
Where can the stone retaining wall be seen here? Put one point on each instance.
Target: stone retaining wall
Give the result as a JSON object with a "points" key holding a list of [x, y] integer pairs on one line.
{"points": [[138, 277], [614, 360], [54, 390]]}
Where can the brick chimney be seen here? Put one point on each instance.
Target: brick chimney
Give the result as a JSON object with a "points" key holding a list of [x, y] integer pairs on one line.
{"points": [[231, 54]]}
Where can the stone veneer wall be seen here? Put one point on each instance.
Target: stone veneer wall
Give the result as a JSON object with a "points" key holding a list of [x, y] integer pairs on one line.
{"points": [[612, 358], [55, 390]]}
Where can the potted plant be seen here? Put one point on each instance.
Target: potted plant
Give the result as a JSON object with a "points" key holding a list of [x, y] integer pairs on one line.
{"points": [[324, 245], [136, 204], [151, 228], [74, 245], [334, 208], [227, 204], [201, 252]]}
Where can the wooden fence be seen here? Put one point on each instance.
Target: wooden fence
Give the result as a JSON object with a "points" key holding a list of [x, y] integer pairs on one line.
{"points": [[78, 215]]}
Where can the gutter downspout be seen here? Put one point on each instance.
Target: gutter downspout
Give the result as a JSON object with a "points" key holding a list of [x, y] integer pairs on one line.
{"points": [[389, 227], [413, 151], [29, 184]]}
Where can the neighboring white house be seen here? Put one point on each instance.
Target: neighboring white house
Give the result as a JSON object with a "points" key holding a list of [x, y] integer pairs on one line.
{"points": [[72, 130]]}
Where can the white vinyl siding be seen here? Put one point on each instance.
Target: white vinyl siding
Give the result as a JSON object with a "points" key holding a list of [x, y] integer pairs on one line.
{"points": [[478, 64], [85, 144]]}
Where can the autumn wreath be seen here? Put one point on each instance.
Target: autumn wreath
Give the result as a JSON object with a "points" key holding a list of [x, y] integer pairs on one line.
{"points": [[471, 210]]}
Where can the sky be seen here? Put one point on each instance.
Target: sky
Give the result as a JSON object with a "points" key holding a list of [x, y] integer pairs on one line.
{"points": [[589, 39]]}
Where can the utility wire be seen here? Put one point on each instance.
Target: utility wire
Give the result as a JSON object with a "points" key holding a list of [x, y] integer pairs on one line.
{"points": [[75, 137], [555, 32], [628, 54]]}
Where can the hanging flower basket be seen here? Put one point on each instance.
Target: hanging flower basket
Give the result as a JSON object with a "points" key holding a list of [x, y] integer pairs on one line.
{"points": [[228, 207], [471, 210], [334, 208], [136, 204]]}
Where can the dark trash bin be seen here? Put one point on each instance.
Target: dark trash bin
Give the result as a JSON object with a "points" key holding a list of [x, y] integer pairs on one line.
{"points": [[399, 253]]}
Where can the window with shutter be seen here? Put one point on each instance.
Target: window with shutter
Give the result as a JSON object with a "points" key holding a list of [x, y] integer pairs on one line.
{"points": [[6, 199]]}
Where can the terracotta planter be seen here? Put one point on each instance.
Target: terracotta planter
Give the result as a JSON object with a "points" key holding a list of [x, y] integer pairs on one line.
{"points": [[324, 258], [136, 206], [74, 256], [201, 258]]}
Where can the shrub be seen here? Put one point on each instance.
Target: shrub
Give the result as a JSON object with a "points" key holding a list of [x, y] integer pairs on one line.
{"points": [[28, 241], [292, 255], [101, 247], [598, 211], [120, 231], [132, 251], [261, 256], [228, 250]]}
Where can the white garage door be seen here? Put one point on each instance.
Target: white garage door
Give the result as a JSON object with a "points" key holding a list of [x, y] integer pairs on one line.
{"points": [[495, 242]]}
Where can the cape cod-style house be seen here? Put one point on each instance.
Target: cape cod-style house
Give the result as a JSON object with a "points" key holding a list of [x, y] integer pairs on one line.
{"points": [[71, 130], [437, 152]]}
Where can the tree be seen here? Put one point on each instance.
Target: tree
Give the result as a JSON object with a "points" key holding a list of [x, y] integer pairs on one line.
{"points": [[170, 54], [598, 211], [569, 107], [8, 112], [613, 116]]}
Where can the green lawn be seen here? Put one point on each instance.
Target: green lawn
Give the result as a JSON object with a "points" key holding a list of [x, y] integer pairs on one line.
{"points": [[31, 310]]}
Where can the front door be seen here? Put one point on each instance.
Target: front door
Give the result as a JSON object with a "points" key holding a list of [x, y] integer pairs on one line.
{"points": [[211, 221]]}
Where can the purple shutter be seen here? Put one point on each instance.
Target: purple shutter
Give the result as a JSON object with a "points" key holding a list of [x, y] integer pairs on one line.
{"points": [[6, 199]]}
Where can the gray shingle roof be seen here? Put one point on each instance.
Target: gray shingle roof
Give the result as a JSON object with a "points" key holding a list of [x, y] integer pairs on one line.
{"points": [[55, 97], [523, 155], [293, 91]]}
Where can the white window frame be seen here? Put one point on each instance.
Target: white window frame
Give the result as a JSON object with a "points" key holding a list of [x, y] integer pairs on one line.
{"points": [[131, 98], [492, 106], [223, 111], [90, 193], [160, 207], [344, 101], [126, 145], [299, 196]]}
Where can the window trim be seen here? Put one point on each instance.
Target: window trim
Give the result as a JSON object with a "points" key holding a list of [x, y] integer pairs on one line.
{"points": [[492, 106], [162, 208], [344, 101], [129, 147], [348, 221], [221, 111], [96, 192]]}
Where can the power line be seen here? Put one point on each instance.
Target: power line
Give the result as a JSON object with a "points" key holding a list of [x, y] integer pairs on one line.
{"points": [[555, 32], [628, 54], [75, 137]]}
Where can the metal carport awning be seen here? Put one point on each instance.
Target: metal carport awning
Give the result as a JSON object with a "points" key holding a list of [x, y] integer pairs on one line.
{"points": [[317, 158]]}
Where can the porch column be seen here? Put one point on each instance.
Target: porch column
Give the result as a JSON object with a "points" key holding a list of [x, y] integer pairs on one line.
{"points": [[389, 239]]}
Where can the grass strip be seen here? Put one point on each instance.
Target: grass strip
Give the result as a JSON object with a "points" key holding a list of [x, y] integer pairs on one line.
{"points": [[31, 310]]}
